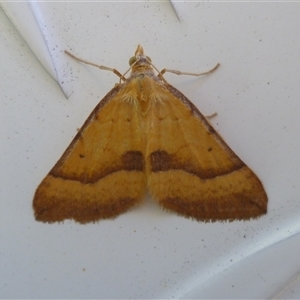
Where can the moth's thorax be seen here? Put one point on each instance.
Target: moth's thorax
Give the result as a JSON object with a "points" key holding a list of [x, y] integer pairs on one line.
{"points": [[142, 66]]}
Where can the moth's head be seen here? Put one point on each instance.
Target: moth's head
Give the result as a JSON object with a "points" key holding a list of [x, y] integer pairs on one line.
{"points": [[139, 60]]}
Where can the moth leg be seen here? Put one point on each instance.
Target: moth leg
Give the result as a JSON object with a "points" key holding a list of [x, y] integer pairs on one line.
{"points": [[97, 66], [187, 73], [211, 116]]}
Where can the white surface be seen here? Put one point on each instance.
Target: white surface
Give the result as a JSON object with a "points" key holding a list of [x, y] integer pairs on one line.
{"points": [[149, 253]]}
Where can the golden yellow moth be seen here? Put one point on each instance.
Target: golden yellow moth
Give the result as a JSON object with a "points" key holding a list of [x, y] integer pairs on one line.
{"points": [[145, 134]]}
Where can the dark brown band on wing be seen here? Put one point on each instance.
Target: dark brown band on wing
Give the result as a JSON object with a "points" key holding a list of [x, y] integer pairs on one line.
{"points": [[162, 161], [129, 161], [133, 161], [218, 209], [61, 210]]}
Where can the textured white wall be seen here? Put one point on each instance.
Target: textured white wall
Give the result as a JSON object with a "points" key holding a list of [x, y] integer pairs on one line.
{"points": [[147, 252]]}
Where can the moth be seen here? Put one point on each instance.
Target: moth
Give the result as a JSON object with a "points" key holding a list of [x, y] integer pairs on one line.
{"points": [[145, 134]]}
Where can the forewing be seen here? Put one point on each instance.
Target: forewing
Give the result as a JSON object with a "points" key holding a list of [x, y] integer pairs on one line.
{"points": [[190, 168], [101, 174]]}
